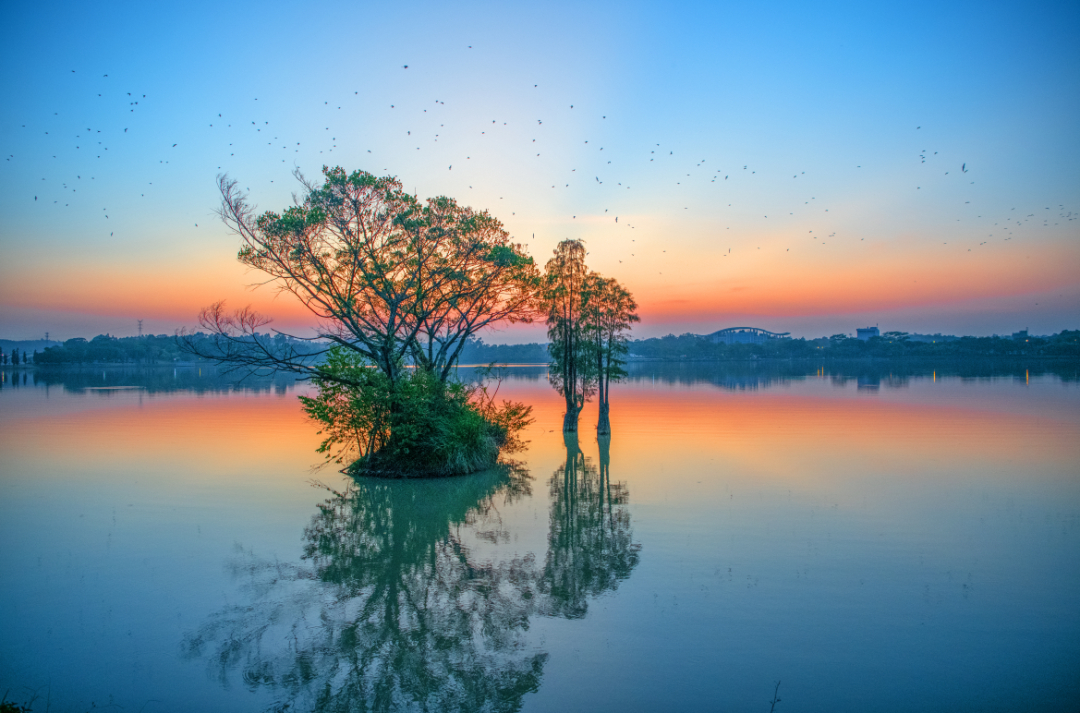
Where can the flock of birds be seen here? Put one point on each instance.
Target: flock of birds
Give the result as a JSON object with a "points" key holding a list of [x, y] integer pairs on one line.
{"points": [[233, 135]]}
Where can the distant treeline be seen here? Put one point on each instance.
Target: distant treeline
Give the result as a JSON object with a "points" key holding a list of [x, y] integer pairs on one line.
{"points": [[691, 347], [106, 349], [149, 349], [476, 352], [162, 348]]}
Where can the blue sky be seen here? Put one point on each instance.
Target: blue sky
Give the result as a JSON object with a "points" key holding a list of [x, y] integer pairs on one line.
{"points": [[854, 124]]}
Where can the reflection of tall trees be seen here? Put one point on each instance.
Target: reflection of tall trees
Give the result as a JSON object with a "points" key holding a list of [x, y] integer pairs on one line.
{"points": [[393, 608], [590, 547]]}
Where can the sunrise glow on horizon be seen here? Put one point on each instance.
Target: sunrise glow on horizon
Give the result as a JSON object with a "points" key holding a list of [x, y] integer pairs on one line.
{"points": [[801, 168]]}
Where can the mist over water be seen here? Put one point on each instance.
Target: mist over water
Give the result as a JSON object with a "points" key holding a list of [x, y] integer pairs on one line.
{"points": [[875, 537]]}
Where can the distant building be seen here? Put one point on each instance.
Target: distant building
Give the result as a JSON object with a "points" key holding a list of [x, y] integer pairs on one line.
{"points": [[1022, 334], [864, 333], [744, 335]]}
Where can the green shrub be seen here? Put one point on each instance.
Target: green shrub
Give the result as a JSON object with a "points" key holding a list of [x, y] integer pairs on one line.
{"points": [[416, 427]]}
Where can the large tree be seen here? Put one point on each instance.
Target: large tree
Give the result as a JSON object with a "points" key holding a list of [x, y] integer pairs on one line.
{"points": [[390, 280], [386, 276], [608, 316], [572, 371]]}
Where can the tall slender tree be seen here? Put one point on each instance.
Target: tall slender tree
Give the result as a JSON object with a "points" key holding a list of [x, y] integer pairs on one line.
{"points": [[572, 372], [609, 314]]}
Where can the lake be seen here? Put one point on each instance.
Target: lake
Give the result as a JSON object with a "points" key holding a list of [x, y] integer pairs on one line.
{"points": [[874, 537]]}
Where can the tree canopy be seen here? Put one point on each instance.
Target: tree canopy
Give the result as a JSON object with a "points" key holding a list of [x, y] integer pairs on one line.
{"points": [[564, 294], [390, 280], [608, 317], [386, 275], [589, 319]]}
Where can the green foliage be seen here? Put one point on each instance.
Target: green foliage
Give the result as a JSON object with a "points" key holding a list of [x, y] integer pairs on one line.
{"points": [[418, 426], [608, 316], [589, 319], [393, 281], [9, 707], [387, 275], [572, 371], [354, 408], [476, 351]]}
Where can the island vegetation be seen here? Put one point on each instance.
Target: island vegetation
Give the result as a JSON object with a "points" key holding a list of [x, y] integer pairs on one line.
{"points": [[394, 283], [400, 289]]}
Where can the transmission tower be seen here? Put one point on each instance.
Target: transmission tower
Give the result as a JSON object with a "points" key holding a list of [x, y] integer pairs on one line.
{"points": [[140, 327]]}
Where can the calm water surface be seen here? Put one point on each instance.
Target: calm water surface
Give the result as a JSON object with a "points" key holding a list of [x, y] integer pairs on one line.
{"points": [[877, 539]]}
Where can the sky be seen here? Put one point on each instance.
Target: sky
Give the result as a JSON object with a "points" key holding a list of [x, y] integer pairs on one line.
{"points": [[800, 167]]}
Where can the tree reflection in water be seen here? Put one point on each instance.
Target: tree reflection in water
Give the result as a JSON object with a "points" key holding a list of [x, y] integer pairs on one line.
{"points": [[390, 610], [590, 547]]}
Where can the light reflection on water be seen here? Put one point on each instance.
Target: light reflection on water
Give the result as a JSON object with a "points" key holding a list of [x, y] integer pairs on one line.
{"points": [[876, 538]]}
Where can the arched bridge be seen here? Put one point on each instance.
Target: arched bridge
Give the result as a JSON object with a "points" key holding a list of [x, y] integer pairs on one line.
{"points": [[745, 335]]}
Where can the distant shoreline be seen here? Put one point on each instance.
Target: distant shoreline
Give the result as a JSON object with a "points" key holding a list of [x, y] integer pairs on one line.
{"points": [[165, 350], [906, 359]]}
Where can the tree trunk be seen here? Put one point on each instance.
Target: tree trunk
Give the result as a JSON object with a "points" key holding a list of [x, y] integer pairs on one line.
{"points": [[574, 459], [605, 460], [603, 423], [570, 420]]}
